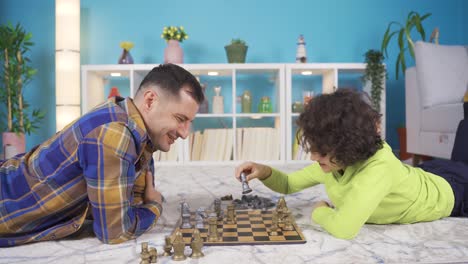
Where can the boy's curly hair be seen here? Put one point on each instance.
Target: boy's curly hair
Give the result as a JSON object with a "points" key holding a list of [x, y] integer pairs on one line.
{"points": [[342, 124]]}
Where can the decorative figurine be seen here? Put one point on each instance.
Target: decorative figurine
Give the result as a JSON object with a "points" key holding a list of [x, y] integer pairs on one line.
{"points": [[301, 55], [218, 101]]}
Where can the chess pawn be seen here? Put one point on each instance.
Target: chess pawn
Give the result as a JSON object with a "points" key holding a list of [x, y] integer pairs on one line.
{"points": [[301, 55], [167, 247], [245, 186], [179, 247], [196, 245], [153, 255]]}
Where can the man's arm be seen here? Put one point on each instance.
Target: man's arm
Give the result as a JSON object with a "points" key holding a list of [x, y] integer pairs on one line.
{"points": [[107, 156]]}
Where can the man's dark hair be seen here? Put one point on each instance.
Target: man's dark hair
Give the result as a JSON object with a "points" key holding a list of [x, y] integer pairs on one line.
{"points": [[171, 78], [342, 124]]}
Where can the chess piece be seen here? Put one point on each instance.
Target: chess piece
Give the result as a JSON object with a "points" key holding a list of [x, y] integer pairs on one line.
{"points": [[213, 229], [199, 223], [153, 255], [217, 209], [288, 226], [167, 247], [184, 208], [145, 254], [231, 214], [179, 247], [301, 55], [245, 186], [273, 230], [186, 221], [196, 245]]}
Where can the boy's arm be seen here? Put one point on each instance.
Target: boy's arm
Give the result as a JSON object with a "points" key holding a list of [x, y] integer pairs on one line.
{"points": [[107, 156], [295, 181]]}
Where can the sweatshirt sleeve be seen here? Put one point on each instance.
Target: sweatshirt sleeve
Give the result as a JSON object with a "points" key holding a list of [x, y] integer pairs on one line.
{"points": [[295, 181], [107, 156], [367, 190]]}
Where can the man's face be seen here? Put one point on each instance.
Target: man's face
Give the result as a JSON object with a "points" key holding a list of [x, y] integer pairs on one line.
{"points": [[169, 118]]}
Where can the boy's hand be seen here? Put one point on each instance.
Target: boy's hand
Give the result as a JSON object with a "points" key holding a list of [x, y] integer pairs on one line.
{"points": [[253, 170], [150, 192]]}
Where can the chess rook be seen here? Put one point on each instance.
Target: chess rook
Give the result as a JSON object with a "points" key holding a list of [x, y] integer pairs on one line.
{"points": [[245, 186]]}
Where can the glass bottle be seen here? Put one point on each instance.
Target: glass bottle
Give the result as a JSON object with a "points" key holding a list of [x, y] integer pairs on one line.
{"points": [[265, 105], [246, 102], [297, 107]]}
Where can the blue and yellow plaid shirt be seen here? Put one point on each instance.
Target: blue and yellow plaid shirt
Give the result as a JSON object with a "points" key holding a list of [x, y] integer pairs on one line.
{"points": [[96, 165]]}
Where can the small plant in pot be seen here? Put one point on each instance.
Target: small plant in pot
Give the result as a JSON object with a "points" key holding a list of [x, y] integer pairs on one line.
{"points": [[236, 51], [15, 74]]}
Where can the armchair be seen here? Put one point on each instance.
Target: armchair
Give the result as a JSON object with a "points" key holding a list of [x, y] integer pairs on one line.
{"points": [[434, 91]]}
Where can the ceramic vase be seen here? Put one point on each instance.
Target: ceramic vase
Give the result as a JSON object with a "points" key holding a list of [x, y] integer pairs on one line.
{"points": [[173, 52]]}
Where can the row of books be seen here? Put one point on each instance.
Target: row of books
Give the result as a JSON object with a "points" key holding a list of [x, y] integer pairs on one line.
{"points": [[252, 143]]}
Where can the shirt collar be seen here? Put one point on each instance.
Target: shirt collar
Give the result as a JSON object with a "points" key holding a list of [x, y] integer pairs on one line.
{"points": [[135, 117]]}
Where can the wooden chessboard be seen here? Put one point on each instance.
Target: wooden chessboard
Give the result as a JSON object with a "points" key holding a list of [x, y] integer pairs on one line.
{"points": [[250, 229]]}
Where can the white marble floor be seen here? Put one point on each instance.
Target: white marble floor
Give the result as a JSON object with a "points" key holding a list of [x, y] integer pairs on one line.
{"points": [[442, 241]]}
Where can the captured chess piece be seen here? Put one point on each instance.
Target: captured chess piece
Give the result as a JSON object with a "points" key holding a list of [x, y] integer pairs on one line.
{"points": [[245, 186], [167, 246], [145, 254], [179, 247], [196, 245], [153, 255]]}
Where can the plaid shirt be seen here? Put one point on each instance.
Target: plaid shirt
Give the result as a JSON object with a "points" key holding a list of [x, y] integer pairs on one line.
{"points": [[96, 165]]}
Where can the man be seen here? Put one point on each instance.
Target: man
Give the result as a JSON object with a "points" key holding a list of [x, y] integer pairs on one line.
{"points": [[99, 165]]}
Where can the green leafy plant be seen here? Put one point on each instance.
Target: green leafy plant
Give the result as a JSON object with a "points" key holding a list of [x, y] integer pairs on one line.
{"points": [[238, 41], [375, 73], [405, 41], [174, 33], [16, 73]]}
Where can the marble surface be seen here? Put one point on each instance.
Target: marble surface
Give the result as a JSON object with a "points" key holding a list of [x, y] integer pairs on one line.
{"points": [[442, 241]]}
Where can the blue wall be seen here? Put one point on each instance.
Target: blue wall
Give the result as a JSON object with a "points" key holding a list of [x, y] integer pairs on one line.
{"points": [[335, 31]]}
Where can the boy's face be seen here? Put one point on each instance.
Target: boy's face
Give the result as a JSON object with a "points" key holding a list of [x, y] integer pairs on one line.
{"points": [[325, 162]]}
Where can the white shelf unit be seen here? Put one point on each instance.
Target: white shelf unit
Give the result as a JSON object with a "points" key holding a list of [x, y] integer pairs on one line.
{"points": [[320, 78], [233, 78]]}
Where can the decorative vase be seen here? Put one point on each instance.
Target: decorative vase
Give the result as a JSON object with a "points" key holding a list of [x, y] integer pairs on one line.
{"points": [[173, 52], [126, 57], [13, 144], [246, 102]]}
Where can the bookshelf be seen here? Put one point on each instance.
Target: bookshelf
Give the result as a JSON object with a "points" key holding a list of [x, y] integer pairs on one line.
{"points": [[233, 135]]}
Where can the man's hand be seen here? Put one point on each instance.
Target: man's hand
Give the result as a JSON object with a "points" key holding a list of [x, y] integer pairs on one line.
{"points": [[150, 192], [320, 204]]}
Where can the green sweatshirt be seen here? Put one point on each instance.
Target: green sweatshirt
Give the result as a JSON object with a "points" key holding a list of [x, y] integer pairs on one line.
{"points": [[380, 190]]}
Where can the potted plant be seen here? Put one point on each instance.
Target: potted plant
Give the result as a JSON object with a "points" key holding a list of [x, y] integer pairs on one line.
{"points": [[15, 74], [375, 73], [236, 51], [405, 41]]}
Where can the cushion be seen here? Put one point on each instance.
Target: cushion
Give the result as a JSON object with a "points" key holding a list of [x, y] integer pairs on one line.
{"points": [[442, 73], [441, 118]]}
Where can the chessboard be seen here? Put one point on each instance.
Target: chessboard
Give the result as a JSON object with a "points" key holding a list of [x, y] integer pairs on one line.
{"points": [[250, 229]]}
